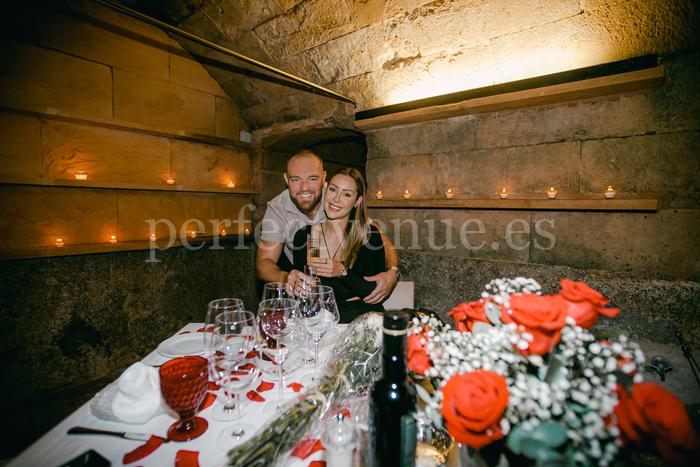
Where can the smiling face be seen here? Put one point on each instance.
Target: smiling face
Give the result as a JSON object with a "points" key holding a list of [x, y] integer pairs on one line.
{"points": [[341, 197], [305, 177]]}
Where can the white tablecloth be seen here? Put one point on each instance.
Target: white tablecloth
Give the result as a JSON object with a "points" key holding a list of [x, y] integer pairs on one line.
{"points": [[56, 447]]}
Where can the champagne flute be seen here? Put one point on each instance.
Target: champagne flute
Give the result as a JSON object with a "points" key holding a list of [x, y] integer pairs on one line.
{"points": [[235, 335], [277, 318], [309, 284], [321, 315], [239, 379]]}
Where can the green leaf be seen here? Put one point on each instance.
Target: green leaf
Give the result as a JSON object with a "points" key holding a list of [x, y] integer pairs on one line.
{"points": [[515, 439], [549, 433]]}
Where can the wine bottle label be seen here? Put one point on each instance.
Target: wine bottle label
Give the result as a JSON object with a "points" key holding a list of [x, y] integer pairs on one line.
{"points": [[408, 440]]}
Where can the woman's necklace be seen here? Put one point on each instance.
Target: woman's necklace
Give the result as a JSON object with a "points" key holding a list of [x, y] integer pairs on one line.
{"points": [[323, 233]]}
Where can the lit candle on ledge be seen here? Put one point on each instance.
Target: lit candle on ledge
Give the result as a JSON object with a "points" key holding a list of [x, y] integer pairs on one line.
{"points": [[449, 193], [59, 242], [380, 195], [610, 192], [230, 184], [153, 237], [193, 234], [246, 231], [503, 194], [551, 193], [113, 239], [170, 180], [223, 232], [81, 175], [406, 194]]}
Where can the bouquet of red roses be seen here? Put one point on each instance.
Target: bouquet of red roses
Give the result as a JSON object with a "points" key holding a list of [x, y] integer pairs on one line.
{"points": [[522, 370]]}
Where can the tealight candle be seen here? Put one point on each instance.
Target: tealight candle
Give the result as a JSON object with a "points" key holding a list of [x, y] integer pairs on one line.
{"points": [[153, 237], [406, 194], [59, 242], [380, 195], [503, 194], [81, 175], [170, 180], [223, 232], [246, 231], [193, 234], [551, 193], [113, 239], [230, 184], [449, 193], [610, 192]]}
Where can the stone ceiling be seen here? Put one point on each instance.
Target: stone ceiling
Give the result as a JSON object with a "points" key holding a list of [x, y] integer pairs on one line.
{"points": [[380, 52]]}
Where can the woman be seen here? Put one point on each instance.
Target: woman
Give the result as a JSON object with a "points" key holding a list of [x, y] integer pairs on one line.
{"points": [[346, 247]]}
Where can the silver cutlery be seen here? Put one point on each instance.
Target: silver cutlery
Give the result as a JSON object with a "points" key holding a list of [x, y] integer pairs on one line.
{"points": [[81, 430]]}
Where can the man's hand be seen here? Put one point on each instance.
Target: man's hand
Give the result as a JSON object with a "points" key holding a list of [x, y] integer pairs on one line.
{"points": [[386, 281], [295, 282]]}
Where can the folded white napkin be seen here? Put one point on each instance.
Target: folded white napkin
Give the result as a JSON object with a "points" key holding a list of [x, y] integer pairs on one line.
{"points": [[138, 398]]}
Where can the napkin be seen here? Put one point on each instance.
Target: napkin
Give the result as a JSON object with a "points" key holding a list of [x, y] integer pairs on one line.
{"points": [[138, 396]]}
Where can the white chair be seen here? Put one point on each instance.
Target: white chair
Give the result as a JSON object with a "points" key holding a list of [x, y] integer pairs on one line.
{"points": [[401, 297]]}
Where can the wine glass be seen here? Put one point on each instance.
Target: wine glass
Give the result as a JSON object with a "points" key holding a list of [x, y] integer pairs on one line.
{"points": [[274, 290], [239, 380], [183, 384], [319, 317], [214, 308], [277, 319], [235, 337]]}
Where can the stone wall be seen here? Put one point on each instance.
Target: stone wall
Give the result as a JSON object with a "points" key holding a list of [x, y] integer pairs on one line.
{"points": [[71, 320], [644, 143]]}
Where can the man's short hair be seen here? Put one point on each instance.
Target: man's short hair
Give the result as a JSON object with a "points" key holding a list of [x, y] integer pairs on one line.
{"points": [[304, 153]]}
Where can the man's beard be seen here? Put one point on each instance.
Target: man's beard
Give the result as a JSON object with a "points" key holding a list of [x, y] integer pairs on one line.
{"points": [[306, 206]]}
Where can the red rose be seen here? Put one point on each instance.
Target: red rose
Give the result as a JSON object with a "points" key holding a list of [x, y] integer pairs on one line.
{"points": [[417, 356], [473, 405], [465, 314], [541, 316], [585, 304], [653, 413]]}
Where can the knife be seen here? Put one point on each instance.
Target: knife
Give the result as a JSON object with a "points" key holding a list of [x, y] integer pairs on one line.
{"points": [[81, 430]]}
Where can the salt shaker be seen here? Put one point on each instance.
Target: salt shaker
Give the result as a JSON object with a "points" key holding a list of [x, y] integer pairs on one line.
{"points": [[339, 438]]}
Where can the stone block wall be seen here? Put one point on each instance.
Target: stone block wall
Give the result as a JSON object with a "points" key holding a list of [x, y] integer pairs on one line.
{"points": [[644, 143]]}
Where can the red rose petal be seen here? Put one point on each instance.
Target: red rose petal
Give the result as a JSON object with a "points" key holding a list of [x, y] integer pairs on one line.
{"points": [[208, 401], [184, 332], [187, 458], [265, 386], [212, 386], [251, 354], [296, 387], [317, 464], [306, 447], [255, 397], [144, 450]]}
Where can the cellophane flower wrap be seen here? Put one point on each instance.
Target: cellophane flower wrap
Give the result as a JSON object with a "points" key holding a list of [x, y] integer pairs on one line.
{"points": [[522, 372], [351, 369]]}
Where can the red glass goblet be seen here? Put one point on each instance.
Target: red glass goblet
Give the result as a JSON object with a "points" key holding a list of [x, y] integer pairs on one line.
{"points": [[183, 383]]}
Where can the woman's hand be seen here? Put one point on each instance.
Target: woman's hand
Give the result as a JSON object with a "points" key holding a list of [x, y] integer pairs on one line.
{"points": [[325, 267]]}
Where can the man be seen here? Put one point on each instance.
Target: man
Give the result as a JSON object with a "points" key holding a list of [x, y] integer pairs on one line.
{"points": [[300, 205]]}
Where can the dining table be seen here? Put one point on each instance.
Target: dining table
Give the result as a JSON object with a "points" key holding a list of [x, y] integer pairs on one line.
{"points": [[57, 447]]}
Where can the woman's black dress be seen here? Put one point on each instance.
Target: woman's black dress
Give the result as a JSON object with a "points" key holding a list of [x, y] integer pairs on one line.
{"points": [[370, 261]]}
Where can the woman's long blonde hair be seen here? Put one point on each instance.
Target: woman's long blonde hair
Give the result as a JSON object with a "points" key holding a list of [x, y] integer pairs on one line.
{"points": [[357, 231]]}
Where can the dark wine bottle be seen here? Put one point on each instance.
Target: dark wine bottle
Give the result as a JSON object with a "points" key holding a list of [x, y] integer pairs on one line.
{"points": [[392, 404]]}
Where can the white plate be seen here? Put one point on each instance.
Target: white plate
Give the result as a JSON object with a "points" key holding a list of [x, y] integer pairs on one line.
{"points": [[182, 344]]}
